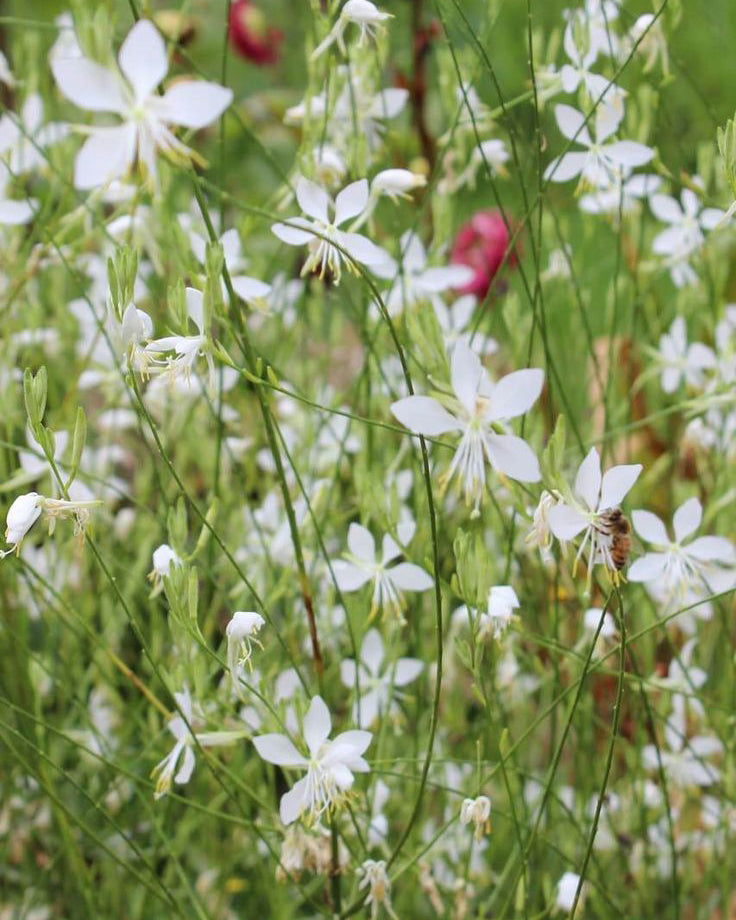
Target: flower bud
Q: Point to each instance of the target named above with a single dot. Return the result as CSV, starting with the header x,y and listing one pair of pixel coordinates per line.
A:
x,y
22,515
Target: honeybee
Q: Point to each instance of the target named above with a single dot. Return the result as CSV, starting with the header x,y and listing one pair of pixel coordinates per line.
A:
x,y
616,526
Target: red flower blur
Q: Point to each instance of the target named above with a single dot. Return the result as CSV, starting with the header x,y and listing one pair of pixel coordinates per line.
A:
x,y
250,35
481,244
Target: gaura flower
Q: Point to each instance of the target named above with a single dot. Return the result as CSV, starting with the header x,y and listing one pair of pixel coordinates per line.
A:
x,y
478,812
130,93
330,764
375,878
681,564
322,232
480,410
169,769
361,566
682,361
376,684
588,509
603,162
186,348
26,510
241,635
364,14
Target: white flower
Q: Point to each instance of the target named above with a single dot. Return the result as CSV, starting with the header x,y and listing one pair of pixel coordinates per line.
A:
x,y
589,510
330,764
602,163
455,320
22,139
163,558
21,516
376,880
679,565
685,764
169,769
364,14
186,348
322,233
361,566
480,410
565,895
241,634
578,71
539,533
622,197
502,601
680,361
685,234
492,155
396,183
478,812
109,152
414,280
375,684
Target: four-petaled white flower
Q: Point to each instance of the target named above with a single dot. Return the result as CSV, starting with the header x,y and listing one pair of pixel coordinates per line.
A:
x,y
687,220
364,14
480,409
581,60
329,245
186,348
361,566
330,764
679,565
602,163
169,769
109,152
682,361
589,509
375,683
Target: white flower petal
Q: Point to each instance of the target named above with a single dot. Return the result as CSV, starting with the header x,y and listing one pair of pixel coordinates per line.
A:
x,y
617,483
572,124
184,773
142,58
514,457
313,199
361,543
712,549
372,652
317,725
588,479
629,153
278,749
650,528
515,394
666,209
293,802
565,522
566,167
250,288
194,103
466,375
351,201
389,549
436,280
648,568
349,577
348,671
14,213
362,250
424,415
89,85
407,670
107,154
687,519
292,235
410,577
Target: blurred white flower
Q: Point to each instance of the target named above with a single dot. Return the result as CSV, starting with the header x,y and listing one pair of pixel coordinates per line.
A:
x,y
362,13
477,812
681,361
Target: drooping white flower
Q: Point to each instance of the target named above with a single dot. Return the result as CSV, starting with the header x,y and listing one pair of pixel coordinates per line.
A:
x,y
130,93
681,564
477,812
588,509
361,565
413,280
170,769
375,878
363,14
480,410
502,601
163,558
322,232
329,764
186,348
241,632
681,361
26,510
375,682
604,162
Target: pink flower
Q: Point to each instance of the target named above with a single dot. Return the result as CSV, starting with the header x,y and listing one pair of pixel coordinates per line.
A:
x,y
251,36
481,244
